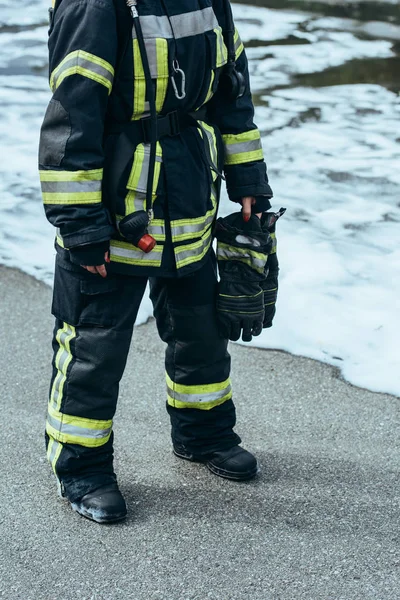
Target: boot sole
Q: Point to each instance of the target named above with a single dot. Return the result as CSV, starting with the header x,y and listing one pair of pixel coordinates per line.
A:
x,y
220,472
97,519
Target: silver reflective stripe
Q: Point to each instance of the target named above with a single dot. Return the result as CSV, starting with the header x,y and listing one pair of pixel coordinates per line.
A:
x,y
73,430
210,397
178,230
156,229
142,183
71,187
53,452
151,48
184,252
84,63
241,147
225,253
184,25
136,253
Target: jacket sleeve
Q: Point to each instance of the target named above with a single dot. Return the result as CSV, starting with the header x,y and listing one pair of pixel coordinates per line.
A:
x,y
82,55
244,166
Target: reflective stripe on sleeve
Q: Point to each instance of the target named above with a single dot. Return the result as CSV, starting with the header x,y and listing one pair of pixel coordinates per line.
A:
x,y
71,187
243,147
184,25
255,260
85,64
203,397
238,44
69,429
222,51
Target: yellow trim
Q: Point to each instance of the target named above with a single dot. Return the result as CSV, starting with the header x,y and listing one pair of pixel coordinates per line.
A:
x,y
77,70
240,48
195,258
79,421
221,49
244,157
91,175
76,439
247,136
206,388
62,375
198,405
56,81
71,198
146,260
162,72
139,88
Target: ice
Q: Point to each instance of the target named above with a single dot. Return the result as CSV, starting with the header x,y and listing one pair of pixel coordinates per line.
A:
x,y
333,154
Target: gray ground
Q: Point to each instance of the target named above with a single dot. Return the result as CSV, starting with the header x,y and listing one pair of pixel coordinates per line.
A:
x,y
321,522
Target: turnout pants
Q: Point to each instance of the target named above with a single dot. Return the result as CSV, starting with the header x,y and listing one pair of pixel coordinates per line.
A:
x,y
92,336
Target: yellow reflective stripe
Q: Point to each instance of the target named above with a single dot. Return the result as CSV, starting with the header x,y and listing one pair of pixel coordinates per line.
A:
x,y
139,90
140,169
206,388
82,422
191,253
204,396
53,452
243,147
60,241
91,175
71,187
255,260
208,131
210,92
162,72
86,64
74,198
126,253
274,243
198,405
221,49
63,358
67,438
238,44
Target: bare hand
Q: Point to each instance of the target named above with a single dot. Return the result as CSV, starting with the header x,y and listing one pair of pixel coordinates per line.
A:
x,y
247,203
100,269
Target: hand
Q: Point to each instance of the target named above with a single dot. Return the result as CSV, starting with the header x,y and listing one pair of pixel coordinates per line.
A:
x,y
247,202
100,269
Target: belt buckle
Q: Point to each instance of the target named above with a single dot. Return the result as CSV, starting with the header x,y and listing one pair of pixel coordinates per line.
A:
x,y
175,127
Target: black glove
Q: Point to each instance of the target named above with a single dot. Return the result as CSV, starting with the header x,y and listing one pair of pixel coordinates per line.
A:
x,y
242,252
91,255
270,283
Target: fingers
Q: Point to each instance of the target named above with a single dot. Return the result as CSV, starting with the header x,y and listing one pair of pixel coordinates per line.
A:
x,y
100,270
107,257
257,328
247,203
246,336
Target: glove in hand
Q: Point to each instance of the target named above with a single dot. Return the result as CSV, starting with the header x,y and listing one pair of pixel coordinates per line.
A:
x,y
242,252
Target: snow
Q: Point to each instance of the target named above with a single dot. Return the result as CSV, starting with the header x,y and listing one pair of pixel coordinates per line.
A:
x,y
333,157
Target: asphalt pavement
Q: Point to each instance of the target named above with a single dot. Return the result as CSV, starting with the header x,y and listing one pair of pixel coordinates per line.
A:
x,y
320,522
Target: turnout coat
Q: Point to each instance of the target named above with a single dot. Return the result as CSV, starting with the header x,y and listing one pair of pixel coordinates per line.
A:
x,y
98,82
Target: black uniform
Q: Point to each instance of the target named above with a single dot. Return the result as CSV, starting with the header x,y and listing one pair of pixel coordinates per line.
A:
x,y
98,84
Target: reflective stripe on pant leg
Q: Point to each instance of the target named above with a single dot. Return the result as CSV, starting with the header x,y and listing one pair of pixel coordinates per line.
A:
x,y
203,397
53,453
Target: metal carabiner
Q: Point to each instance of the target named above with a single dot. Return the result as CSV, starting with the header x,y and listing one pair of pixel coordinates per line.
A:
x,y
182,94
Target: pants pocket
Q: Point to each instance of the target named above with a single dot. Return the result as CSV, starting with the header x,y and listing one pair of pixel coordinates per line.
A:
x,y
84,298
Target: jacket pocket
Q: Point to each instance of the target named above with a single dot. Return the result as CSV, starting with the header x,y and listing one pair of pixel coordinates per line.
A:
x,y
80,300
157,52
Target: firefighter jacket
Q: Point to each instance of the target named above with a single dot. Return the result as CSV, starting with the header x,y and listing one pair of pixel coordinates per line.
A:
x,y
97,80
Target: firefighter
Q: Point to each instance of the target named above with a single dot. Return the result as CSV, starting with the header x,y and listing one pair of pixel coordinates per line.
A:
x,y
151,106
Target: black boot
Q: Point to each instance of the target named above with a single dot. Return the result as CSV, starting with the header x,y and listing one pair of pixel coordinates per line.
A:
x,y
104,505
236,463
